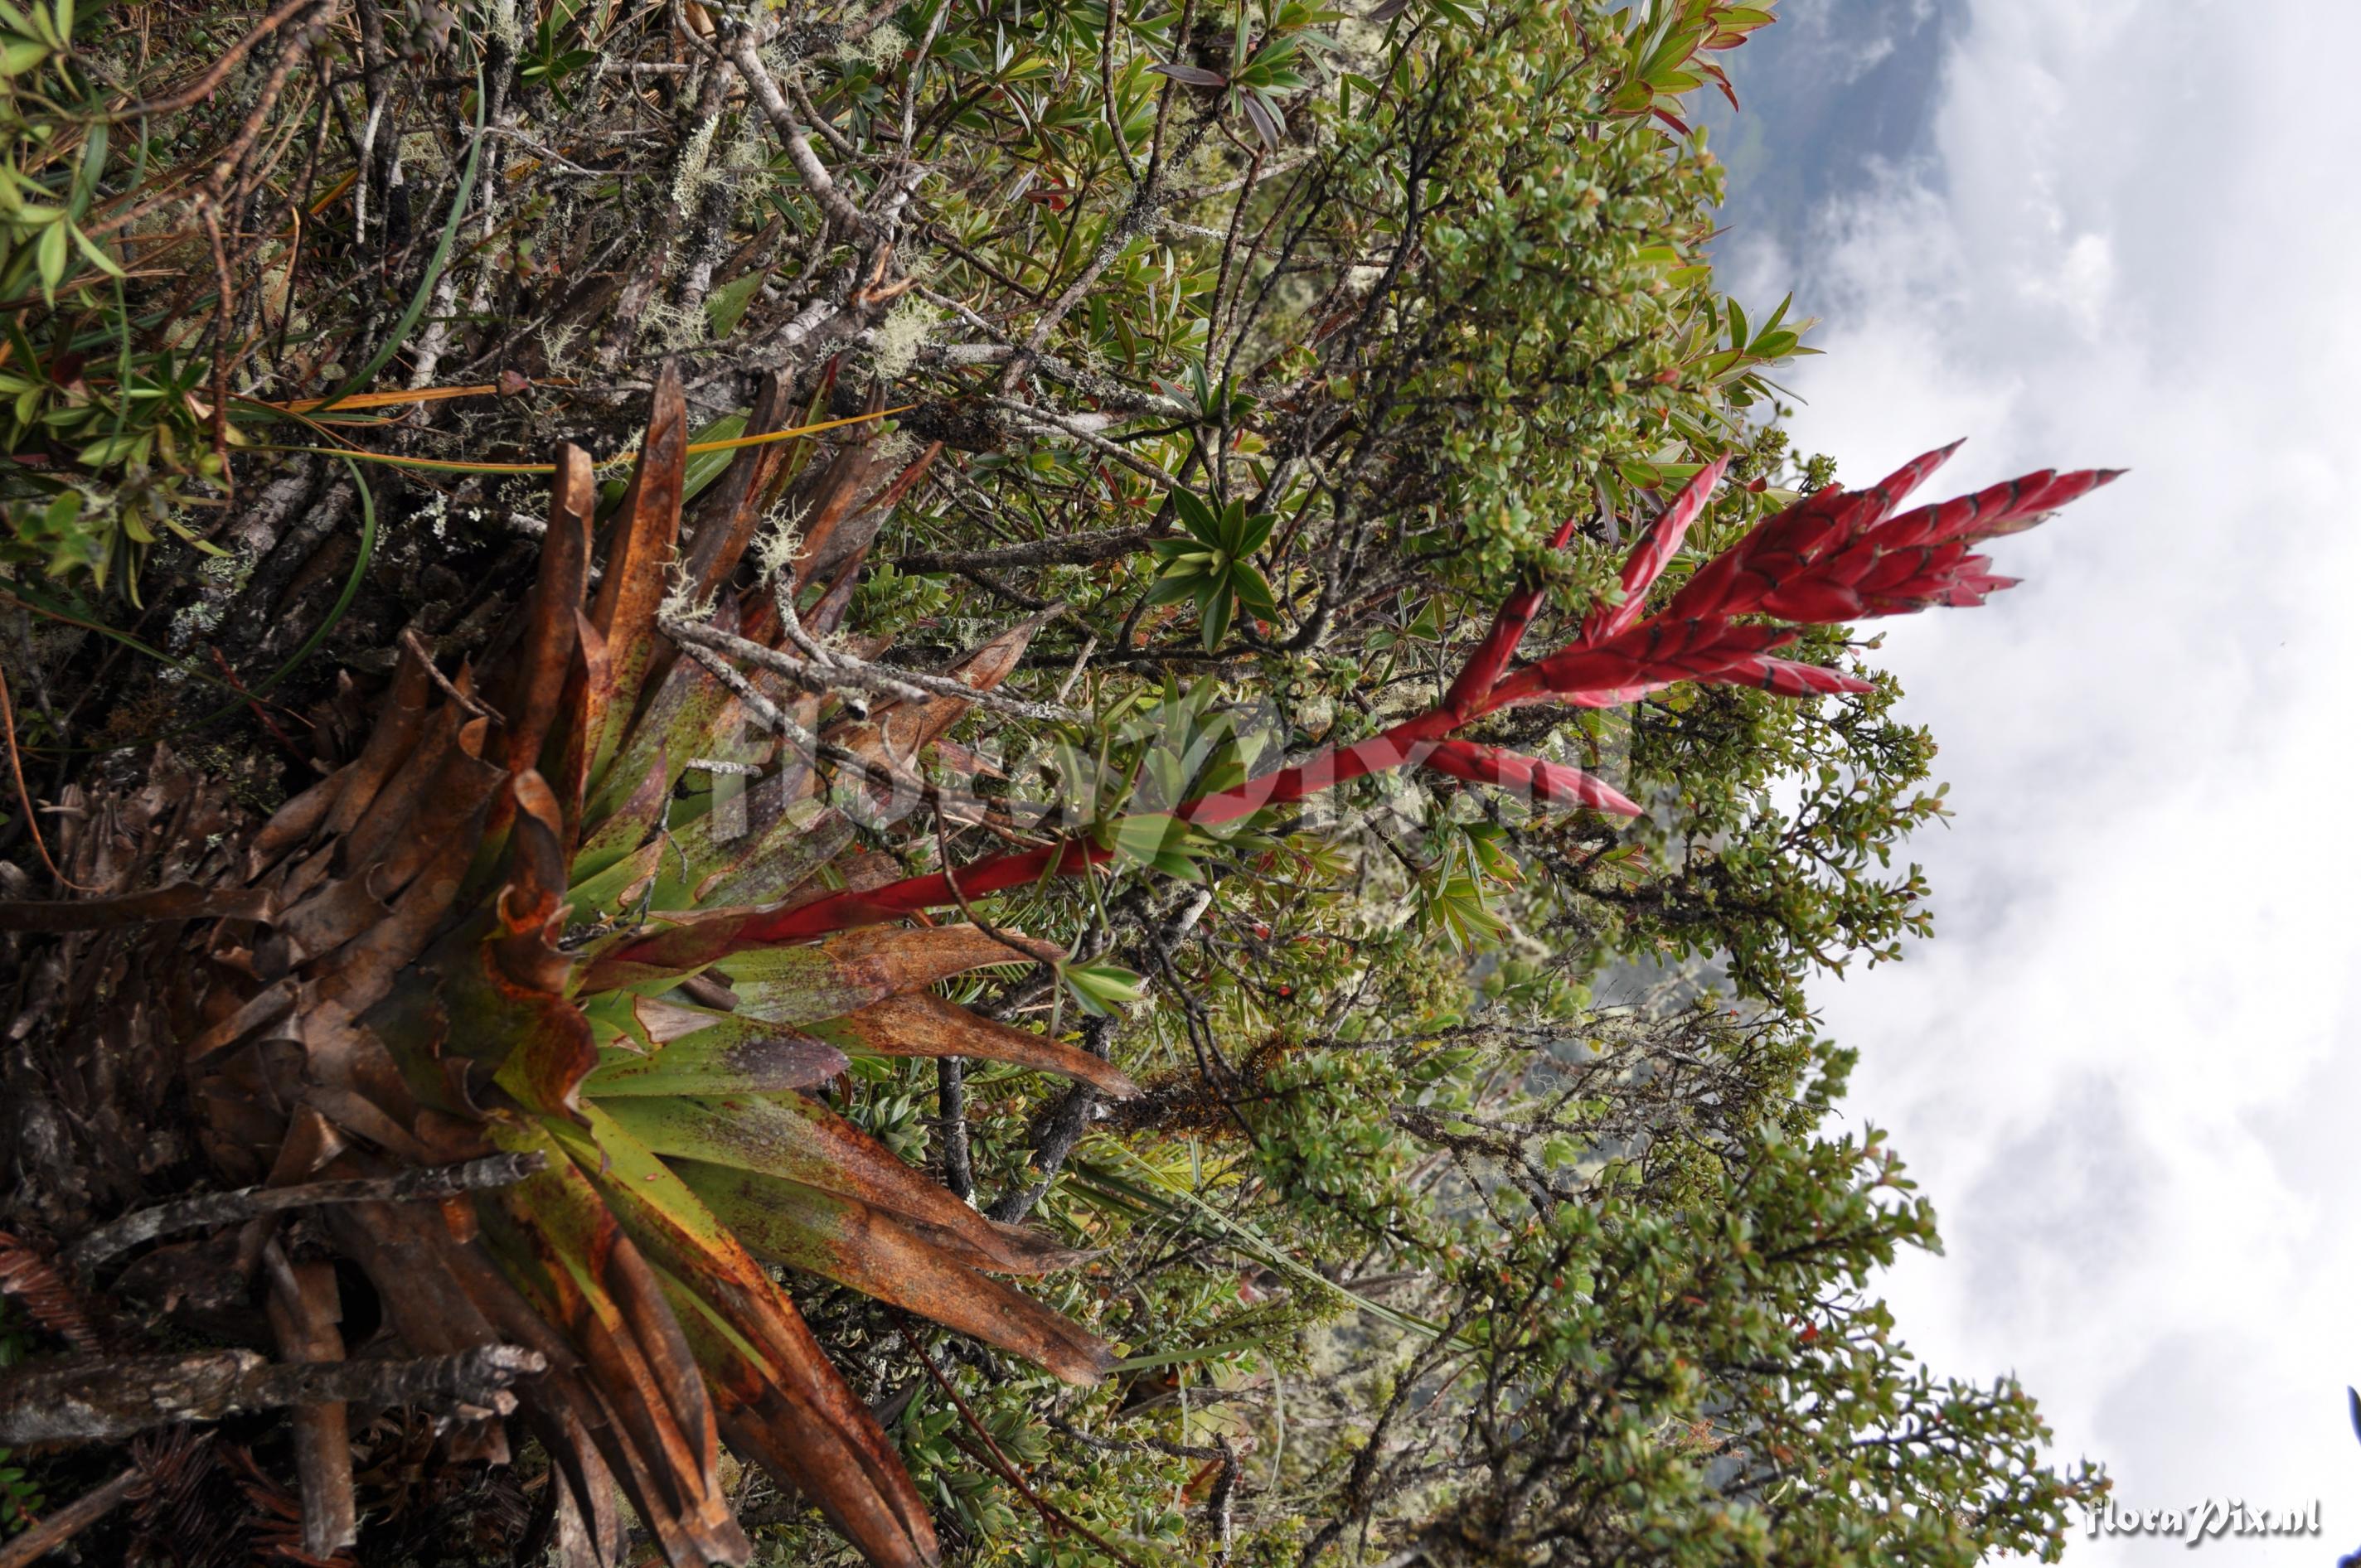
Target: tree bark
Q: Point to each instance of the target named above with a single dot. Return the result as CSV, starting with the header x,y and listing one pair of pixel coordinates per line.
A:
x,y
87,1398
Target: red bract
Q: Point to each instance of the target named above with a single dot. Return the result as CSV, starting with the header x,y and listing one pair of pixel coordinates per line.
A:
x,y
1838,555
1655,551
1534,777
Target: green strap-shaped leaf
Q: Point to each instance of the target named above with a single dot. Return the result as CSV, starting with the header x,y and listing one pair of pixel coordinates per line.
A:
x,y
795,1138
842,1239
846,974
737,1057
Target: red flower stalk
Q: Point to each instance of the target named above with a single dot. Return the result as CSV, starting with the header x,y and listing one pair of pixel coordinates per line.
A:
x,y
1838,555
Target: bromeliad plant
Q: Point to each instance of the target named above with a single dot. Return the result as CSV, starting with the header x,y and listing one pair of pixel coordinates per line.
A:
x,y
424,961
502,926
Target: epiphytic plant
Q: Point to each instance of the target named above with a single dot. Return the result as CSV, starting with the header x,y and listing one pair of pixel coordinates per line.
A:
x,y
417,962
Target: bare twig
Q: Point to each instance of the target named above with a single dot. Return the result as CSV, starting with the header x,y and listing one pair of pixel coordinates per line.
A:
x,y
1082,661
25,796
213,1209
89,1398
410,640
950,1109
202,86
910,80
1056,423
1138,215
1106,88
1057,1132
60,1525
1071,550
842,672
743,52
883,775
1107,391
304,1309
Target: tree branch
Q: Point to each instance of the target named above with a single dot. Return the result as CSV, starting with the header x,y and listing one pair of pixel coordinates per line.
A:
x,y
86,1398
213,1209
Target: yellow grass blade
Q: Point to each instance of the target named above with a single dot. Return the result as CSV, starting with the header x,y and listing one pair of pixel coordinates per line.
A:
x,y
443,465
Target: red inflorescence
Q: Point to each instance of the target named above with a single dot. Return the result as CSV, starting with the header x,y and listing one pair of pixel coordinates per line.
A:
x,y
1836,555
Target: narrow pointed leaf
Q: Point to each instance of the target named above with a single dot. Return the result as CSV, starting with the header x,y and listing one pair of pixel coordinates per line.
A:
x,y
733,1056
646,529
1654,551
920,1024
1532,778
795,1138
843,974
845,1240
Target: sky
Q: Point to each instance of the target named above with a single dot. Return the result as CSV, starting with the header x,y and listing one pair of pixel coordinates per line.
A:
x,y
2128,1067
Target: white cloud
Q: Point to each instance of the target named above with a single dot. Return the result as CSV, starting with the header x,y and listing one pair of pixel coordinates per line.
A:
x,y
2129,1067
1866,59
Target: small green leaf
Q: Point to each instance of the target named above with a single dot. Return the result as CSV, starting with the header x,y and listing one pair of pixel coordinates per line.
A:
x,y
94,252
1198,518
1256,533
1174,586
1102,988
1216,615
1253,591
725,306
49,255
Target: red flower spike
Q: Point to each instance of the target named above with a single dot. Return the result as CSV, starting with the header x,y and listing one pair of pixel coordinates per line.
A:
x,y
1836,555
1899,567
896,901
1823,520
1532,778
1853,562
1778,551
1640,570
1404,745
2009,507
1712,582
1655,552
1490,659
1605,697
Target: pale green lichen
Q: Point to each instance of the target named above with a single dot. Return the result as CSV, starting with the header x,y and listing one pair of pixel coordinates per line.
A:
x,y
693,171
505,28
682,602
884,45
894,345
557,343
782,536
670,327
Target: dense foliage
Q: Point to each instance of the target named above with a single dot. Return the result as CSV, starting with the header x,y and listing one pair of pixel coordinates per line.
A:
x,y
1482,1203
